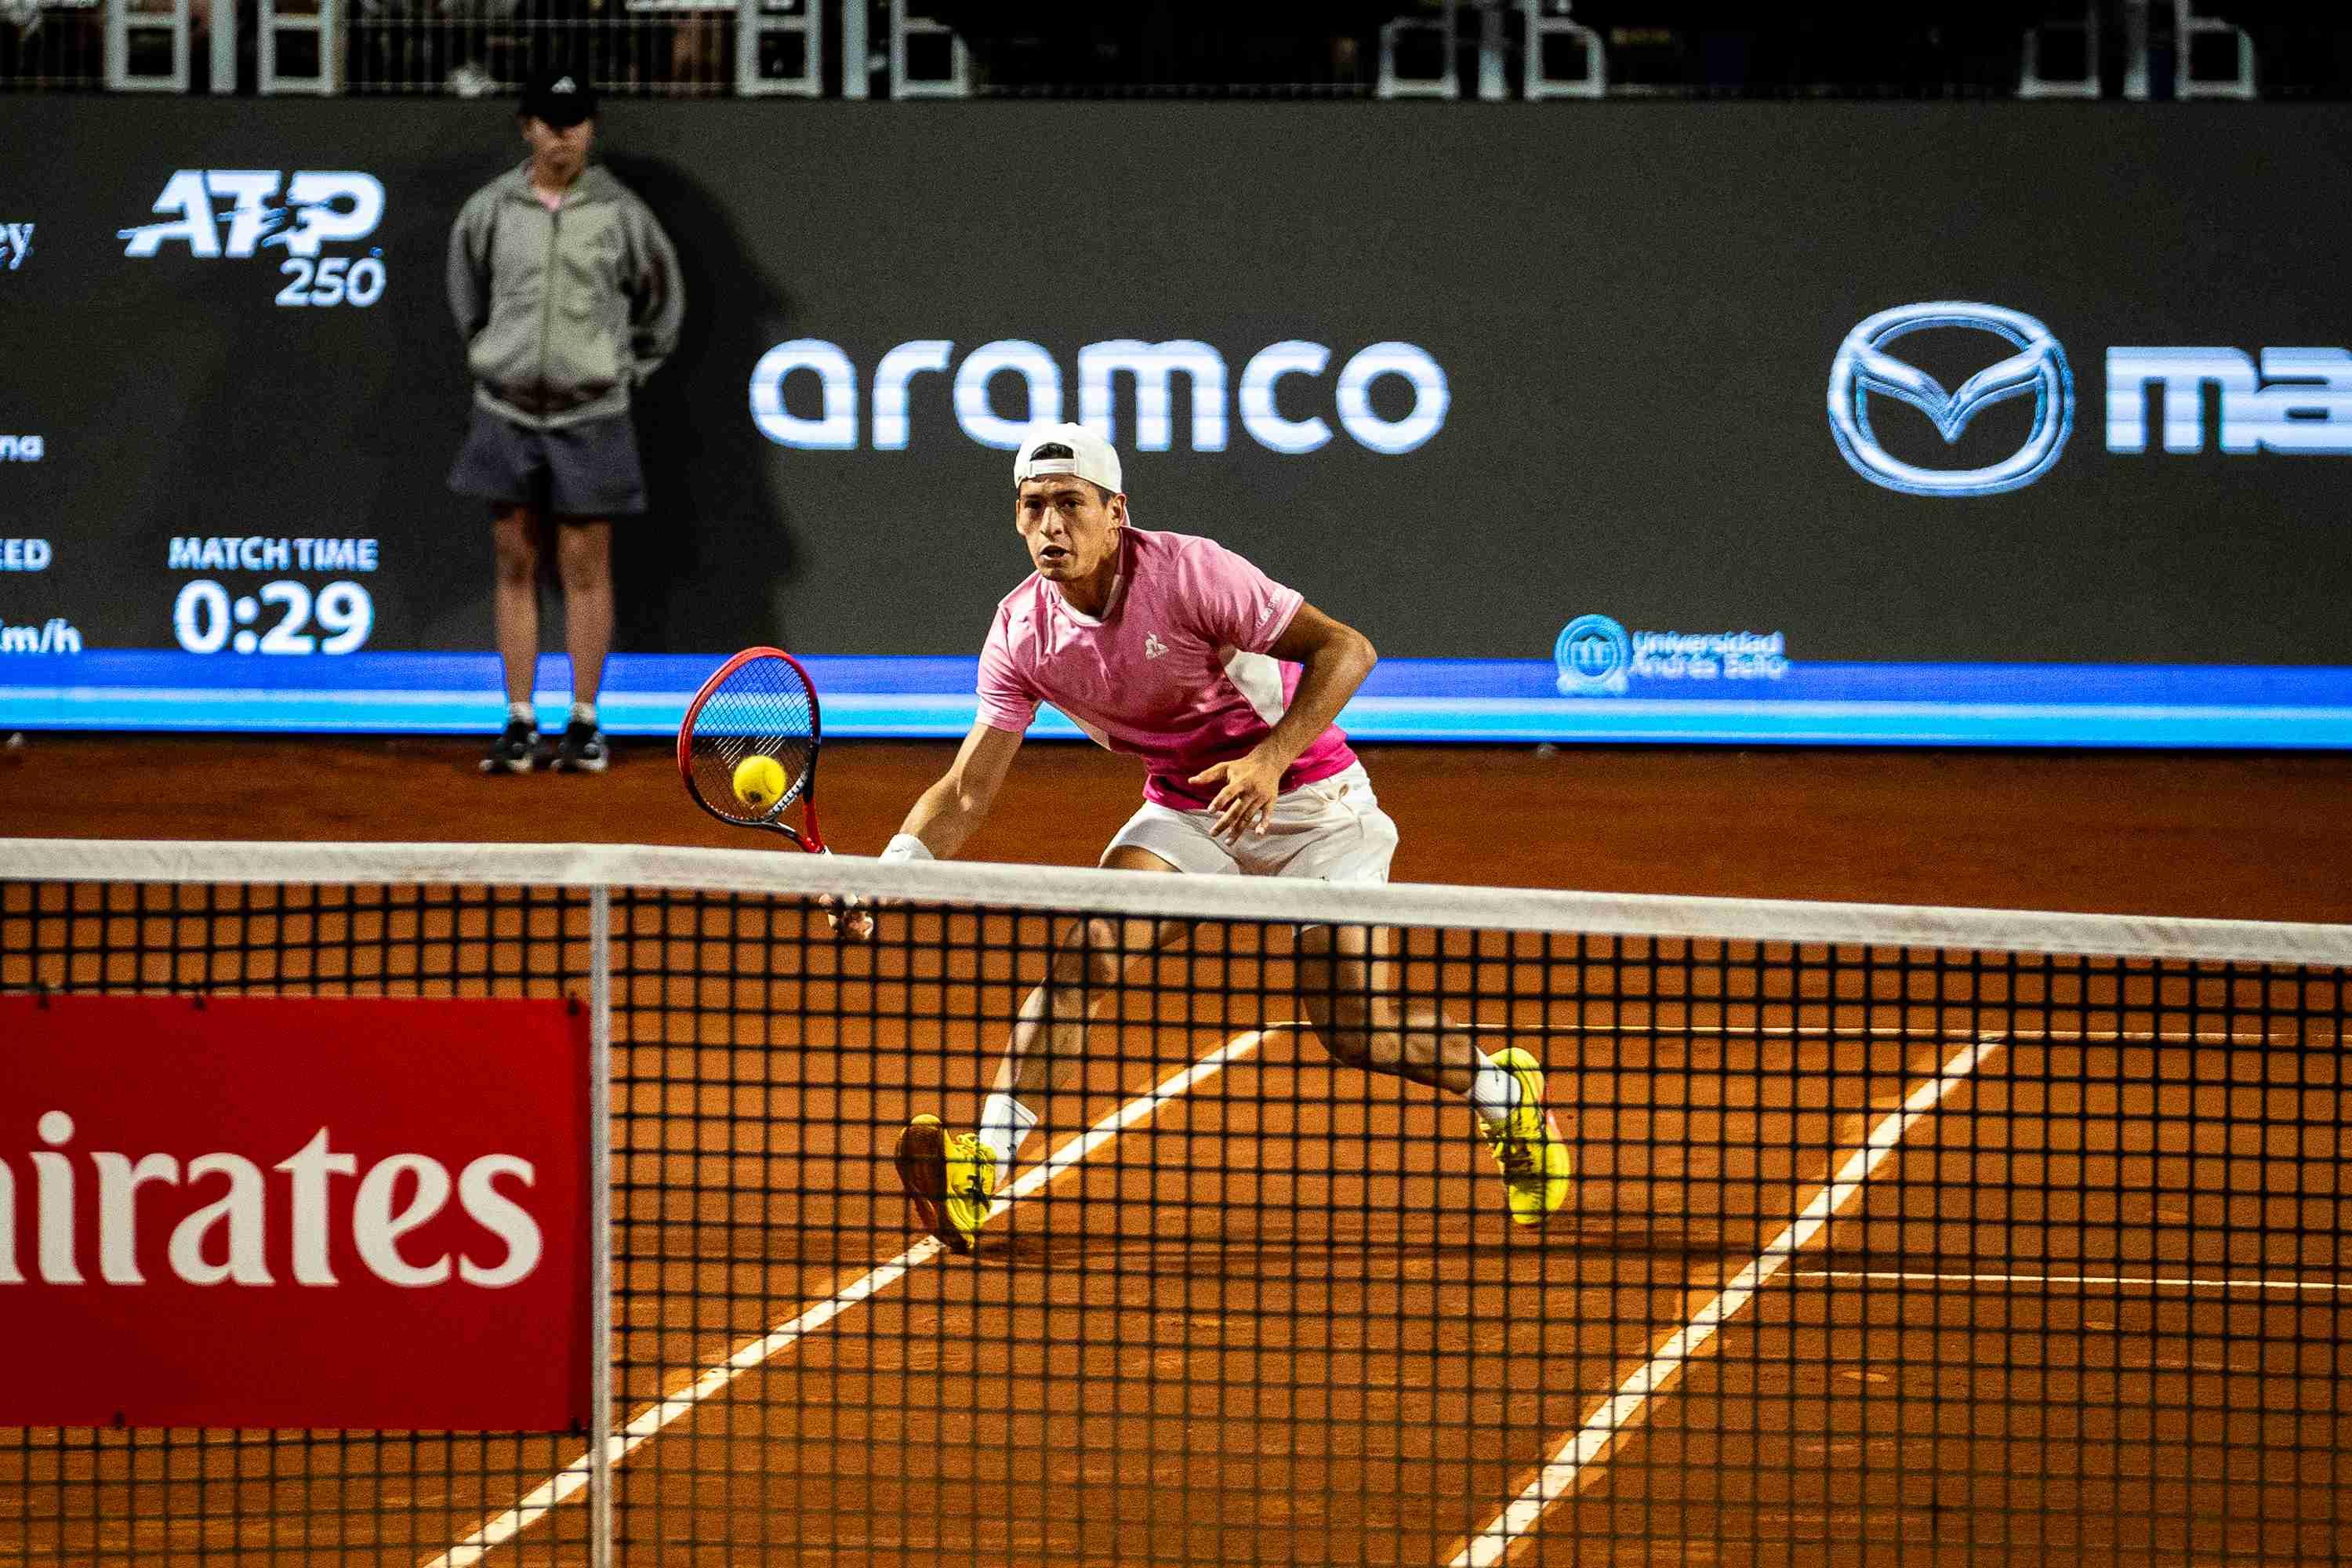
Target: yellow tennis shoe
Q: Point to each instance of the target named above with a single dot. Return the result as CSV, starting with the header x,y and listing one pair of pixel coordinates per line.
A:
x,y
1529,1148
950,1178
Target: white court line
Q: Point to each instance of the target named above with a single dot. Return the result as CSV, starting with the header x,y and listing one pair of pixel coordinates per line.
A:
x,y
2156,1283
1606,1424
572,1479
1653,1029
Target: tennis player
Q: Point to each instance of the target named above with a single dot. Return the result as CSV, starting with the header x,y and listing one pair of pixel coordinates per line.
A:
x,y
1171,649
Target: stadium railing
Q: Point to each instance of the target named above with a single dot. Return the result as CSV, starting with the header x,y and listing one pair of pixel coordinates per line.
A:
x,y
1490,49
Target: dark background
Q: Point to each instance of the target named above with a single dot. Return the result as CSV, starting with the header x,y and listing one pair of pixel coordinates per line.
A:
x,y
1636,309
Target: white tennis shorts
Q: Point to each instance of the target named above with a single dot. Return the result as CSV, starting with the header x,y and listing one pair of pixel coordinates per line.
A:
x,y
1331,831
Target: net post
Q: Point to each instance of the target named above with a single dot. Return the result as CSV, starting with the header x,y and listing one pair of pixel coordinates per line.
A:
x,y
600,1226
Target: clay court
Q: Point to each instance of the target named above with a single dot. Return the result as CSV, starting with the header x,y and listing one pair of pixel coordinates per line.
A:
x,y
2082,1298
2226,836
1824,520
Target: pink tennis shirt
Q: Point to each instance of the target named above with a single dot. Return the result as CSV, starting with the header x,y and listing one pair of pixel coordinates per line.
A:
x,y
1176,672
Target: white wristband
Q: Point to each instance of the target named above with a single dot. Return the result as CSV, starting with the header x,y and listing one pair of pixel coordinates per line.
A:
x,y
907,847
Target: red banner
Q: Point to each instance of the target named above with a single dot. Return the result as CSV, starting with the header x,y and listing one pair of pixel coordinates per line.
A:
x,y
293,1211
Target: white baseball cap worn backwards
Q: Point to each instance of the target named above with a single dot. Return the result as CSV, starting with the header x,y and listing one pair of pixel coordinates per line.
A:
x,y
1085,455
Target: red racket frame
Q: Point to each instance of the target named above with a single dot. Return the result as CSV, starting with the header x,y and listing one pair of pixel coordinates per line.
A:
x,y
806,837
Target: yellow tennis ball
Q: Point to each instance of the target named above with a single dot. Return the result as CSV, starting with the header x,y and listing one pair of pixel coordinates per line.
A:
x,y
759,782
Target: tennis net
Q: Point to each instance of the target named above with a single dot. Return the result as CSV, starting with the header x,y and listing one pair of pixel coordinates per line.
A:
x,y
1895,1235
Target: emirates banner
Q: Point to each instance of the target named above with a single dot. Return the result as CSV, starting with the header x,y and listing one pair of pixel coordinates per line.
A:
x,y
294,1212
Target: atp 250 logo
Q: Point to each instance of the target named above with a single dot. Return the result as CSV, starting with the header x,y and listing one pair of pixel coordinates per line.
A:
x,y
2297,400
301,217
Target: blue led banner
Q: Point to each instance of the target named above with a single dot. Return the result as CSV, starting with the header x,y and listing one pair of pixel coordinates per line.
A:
x,y
1492,700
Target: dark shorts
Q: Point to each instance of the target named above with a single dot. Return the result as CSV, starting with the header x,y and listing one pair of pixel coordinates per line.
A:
x,y
588,469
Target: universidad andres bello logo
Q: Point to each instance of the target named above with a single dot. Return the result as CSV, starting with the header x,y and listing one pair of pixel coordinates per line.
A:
x,y
1597,657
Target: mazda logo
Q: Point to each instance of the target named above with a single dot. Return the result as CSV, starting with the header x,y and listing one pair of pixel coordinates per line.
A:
x,y
2037,367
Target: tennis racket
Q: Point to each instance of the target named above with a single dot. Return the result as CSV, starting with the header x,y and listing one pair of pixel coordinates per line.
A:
x,y
761,704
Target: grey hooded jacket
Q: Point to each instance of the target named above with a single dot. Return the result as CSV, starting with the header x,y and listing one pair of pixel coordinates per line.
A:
x,y
562,313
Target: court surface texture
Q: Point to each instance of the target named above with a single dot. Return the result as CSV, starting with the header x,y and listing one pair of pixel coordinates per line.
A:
x,y
1269,1293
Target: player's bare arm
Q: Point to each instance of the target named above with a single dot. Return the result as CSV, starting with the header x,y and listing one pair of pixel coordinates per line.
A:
x,y
946,814
1334,657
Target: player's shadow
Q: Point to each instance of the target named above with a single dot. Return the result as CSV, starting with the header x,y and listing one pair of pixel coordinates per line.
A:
x,y
1306,1251
701,572
1335,1257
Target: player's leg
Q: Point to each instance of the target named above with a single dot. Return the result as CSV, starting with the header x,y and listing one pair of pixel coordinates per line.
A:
x,y
517,532
953,1177
1348,990
1347,987
1048,1044
593,477
584,559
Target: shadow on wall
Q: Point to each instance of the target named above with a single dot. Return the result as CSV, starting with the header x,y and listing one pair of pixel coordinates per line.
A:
x,y
700,572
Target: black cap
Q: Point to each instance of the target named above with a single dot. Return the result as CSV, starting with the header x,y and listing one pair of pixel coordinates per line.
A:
x,y
561,96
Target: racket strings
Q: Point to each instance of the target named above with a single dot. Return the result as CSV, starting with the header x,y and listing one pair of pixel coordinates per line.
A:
x,y
763,709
